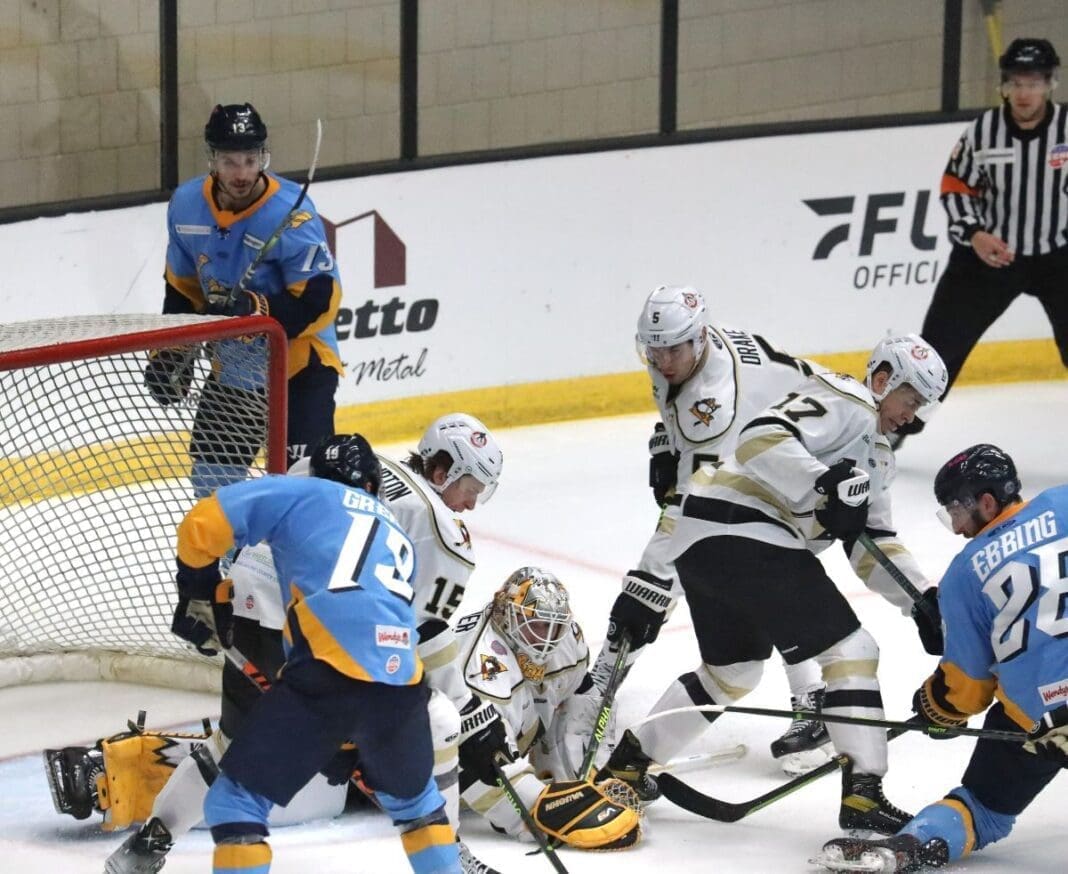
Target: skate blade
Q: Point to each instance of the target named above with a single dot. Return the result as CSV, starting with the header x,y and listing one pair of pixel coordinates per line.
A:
x,y
871,861
796,764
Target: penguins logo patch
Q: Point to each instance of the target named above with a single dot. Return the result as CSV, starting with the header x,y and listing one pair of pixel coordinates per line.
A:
x,y
704,410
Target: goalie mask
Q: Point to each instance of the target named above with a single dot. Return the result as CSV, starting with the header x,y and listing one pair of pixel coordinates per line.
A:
x,y
672,315
531,611
912,361
471,447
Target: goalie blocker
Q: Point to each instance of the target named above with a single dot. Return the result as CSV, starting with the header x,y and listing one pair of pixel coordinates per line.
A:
x,y
583,815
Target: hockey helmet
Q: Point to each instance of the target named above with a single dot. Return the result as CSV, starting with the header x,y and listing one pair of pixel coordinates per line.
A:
x,y
236,127
1029,55
347,459
913,361
471,447
672,315
980,469
532,612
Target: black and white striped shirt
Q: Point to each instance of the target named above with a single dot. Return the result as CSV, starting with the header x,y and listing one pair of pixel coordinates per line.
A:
x,y
1010,182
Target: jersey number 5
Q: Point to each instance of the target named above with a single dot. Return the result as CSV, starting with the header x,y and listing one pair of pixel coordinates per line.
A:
x,y
359,543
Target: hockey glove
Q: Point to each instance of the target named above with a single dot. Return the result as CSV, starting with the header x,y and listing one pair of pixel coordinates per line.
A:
x,y
846,509
483,740
244,303
639,609
663,464
168,375
1049,738
204,616
340,769
928,618
941,725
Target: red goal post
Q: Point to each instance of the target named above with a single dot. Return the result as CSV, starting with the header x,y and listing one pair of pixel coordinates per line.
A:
x,y
95,477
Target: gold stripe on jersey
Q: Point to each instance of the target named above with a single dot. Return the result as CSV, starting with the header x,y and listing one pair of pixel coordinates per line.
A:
x,y
848,395
493,796
744,486
1014,711
402,473
437,658
762,441
204,534
891,547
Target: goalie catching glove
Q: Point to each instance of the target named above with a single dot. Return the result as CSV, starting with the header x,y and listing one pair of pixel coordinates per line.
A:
x,y
204,616
581,814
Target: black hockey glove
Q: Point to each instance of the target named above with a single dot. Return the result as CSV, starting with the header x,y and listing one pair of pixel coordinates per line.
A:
x,y
168,375
245,303
204,615
846,510
928,618
663,464
483,740
927,714
346,762
639,609
1049,738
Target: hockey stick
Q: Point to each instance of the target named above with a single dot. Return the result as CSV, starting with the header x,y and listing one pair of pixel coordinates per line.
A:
x,y
896,574
936,731
685,796
696,762
272,240
508,789
615,680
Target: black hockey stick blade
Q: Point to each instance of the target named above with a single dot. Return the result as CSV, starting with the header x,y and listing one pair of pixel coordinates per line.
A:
x,y
685,796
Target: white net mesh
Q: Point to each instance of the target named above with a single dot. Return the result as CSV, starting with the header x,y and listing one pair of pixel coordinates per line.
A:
x,y
97,473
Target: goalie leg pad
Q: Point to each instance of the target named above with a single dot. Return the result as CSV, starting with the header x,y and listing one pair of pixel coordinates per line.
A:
x,y
581,815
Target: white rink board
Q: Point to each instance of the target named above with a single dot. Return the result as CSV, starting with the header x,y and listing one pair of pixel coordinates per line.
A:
x,y
525,271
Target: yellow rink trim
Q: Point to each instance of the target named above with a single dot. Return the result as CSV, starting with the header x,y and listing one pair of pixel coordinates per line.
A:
x,y
617,394
130,462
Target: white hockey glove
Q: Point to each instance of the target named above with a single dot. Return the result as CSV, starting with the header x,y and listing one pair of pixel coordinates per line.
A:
x,y
204,615
846,509
1049,738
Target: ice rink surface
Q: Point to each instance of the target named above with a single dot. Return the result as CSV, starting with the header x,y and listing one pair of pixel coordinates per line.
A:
x,y
573,499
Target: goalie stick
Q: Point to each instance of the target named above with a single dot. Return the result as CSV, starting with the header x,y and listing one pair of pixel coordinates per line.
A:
x,y
685,796
615,679
505,785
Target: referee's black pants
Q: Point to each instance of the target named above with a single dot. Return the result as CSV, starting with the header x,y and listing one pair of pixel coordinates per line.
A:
x,y
971,296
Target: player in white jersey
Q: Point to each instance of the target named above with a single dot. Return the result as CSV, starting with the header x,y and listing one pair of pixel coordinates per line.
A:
x,y
524,657
457,466
810,469
708,381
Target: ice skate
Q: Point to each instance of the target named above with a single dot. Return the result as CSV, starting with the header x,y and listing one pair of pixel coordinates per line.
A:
x,y
806,744
143,852
629,764
864,806
898,853
470,864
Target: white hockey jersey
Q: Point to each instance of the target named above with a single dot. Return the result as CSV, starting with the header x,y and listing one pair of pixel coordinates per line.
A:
x,y
766,489
526,694
741,374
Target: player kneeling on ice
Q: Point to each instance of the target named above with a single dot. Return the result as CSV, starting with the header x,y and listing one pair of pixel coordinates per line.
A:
x,y
1002,603
524,658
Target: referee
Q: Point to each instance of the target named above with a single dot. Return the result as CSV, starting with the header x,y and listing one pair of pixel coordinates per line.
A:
x,y
1004,193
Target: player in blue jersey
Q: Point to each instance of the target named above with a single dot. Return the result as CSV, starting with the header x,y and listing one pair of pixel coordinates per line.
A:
x,y
216,225
1006,637
352,673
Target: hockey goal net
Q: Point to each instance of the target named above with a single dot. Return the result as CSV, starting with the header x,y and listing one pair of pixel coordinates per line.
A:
x,y
96,474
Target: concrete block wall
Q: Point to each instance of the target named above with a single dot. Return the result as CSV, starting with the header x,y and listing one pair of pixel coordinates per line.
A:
x,y
79,99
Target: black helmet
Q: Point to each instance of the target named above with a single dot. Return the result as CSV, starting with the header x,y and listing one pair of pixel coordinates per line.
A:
x,y
236,127
347,459
1029,56
979,469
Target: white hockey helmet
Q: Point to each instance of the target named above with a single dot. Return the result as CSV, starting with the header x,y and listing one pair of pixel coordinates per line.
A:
x,y
672,315
471,447
912,360
532,612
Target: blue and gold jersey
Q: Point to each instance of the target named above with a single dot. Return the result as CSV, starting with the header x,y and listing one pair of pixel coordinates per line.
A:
x,y
209,250
345,569
1004,600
